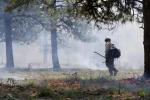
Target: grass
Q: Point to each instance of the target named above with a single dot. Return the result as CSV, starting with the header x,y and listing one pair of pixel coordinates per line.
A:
x,y
75,85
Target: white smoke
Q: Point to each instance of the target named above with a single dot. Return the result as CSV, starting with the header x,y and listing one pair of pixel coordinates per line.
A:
x,y
128,38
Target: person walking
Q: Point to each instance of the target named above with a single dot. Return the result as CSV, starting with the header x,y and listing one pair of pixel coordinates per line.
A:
x,y
109,58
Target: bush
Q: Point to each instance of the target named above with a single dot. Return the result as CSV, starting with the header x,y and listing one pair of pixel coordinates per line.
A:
x,y
45,92
141,93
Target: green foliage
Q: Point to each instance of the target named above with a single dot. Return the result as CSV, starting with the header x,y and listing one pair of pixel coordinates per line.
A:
x,y
108,11
13,4
100,11
142,93
10,97
25,27
45,92
58,94
72,94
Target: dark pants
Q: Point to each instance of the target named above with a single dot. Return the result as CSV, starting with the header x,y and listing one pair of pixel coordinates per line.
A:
x,y
110,65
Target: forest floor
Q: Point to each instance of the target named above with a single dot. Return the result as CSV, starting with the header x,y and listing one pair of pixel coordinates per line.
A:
x,y
79,84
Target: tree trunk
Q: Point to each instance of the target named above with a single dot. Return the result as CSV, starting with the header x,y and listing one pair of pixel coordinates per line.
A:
x,y
55,60
146,14
8,40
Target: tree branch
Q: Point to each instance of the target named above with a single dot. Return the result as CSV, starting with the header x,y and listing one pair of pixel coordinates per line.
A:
x,y
34,18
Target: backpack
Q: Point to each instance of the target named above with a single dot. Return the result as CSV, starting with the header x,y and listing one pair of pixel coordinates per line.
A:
x,y
114,53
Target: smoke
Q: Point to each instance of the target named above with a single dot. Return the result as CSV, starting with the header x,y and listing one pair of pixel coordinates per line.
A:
x,y
128,38
78,54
